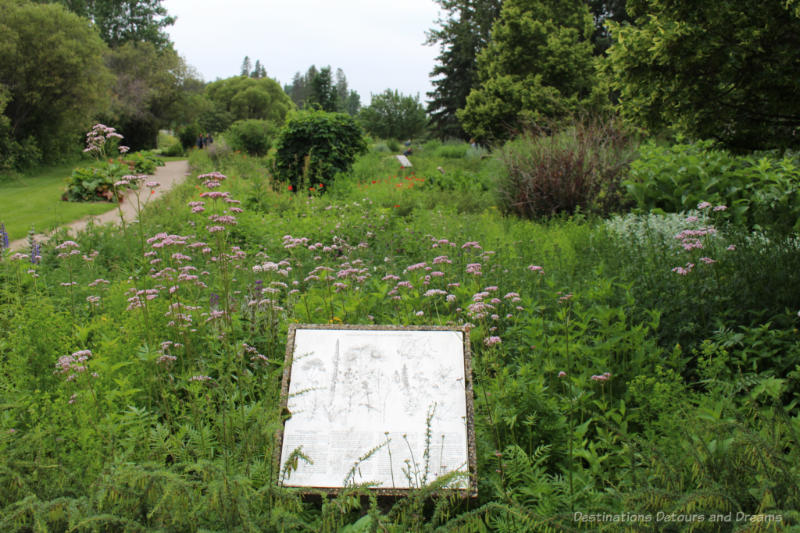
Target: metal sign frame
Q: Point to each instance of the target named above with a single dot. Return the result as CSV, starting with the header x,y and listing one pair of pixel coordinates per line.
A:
x,y
472,486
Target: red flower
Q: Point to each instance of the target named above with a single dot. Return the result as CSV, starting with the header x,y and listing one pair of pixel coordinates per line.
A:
x,y
397,205
290,187
321,185
374,182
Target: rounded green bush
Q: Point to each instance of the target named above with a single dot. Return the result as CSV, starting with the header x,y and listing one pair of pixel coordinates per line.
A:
x,y
251,136
315,145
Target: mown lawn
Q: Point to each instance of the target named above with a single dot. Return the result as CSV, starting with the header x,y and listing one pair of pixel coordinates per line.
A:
x,y
33,201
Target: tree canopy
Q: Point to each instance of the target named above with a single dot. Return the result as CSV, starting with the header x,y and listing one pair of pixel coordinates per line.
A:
x,y
151,85
52,74
721,70
242,97
461,35
538,66
392,115
122,21
318,89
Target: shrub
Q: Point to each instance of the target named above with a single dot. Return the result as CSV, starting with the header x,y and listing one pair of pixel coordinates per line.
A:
x,y
252,136
576,168
169,145
188,135
700,276
144,162
95,183
757,190
452,151
315,145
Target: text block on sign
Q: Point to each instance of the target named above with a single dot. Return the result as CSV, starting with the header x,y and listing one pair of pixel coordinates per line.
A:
x,y
386,406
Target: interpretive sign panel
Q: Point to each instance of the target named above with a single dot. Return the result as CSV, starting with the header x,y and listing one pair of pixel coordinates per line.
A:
x,y
404,162
386,406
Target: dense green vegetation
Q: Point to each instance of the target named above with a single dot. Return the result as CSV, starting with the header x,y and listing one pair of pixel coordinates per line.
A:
x,y
618,369
619,237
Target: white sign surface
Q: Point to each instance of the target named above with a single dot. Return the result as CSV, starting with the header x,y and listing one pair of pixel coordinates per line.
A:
x,y
404,162
398,394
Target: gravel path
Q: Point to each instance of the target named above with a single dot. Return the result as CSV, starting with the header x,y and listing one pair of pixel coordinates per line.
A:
x,y
168,176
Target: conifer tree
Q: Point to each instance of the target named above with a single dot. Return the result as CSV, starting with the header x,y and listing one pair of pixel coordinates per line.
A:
x,y
462,34
537,67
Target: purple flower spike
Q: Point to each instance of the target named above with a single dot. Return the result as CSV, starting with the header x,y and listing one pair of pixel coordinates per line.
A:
x,y
5,237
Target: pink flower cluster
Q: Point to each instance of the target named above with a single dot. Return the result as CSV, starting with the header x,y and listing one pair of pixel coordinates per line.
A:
x,y
73,364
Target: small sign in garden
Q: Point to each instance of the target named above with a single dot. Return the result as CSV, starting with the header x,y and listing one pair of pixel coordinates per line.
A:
x,y
404,162
385,406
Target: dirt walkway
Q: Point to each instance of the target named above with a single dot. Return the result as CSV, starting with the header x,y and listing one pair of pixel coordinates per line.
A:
x,y
168,176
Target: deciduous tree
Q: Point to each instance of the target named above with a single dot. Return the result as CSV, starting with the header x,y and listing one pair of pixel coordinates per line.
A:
x,y
722,70
392,115
242,98
122,21
148,94
53,76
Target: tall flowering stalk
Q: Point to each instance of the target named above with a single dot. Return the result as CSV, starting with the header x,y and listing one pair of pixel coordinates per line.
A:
x,y
4,240
67,250
565,300
100,139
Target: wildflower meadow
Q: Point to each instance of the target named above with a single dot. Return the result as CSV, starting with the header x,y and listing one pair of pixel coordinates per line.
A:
x,y
629,366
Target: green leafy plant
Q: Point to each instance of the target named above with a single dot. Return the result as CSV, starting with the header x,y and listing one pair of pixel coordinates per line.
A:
x,y
757,190
143,162
315,145
95,183
254,137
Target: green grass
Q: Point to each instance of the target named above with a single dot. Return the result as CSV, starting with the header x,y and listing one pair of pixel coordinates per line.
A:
x,y
34,201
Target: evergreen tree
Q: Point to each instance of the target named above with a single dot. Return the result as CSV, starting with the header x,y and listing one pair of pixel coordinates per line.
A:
x,y
323,91
246,66
462,35
537,67
316,88
300,88
259,71
352,103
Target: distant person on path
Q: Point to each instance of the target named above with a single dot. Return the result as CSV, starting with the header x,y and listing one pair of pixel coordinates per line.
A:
x,y
209,139
200,141
408,150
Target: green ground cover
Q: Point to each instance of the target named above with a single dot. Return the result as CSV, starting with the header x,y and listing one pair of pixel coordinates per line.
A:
x,y
33,201
617,369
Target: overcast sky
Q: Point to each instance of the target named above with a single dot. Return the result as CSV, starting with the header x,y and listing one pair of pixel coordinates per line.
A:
x,y
378,43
